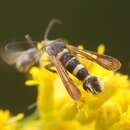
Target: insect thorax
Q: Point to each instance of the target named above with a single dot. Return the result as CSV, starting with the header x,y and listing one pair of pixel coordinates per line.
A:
x,y
55,47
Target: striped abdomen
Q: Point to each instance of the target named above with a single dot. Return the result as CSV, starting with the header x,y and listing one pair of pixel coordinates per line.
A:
x,y
72,64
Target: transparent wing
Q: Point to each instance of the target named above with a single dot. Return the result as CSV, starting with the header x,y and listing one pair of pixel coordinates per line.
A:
x,y
105,61
10,57
11,51
72,89
19,46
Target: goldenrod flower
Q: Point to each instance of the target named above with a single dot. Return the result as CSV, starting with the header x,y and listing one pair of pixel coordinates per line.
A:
x,y
7,122
109,110
106,111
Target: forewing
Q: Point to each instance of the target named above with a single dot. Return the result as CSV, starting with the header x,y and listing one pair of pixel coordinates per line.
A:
x,y
18,46
10,57
11,51
72,89
105,61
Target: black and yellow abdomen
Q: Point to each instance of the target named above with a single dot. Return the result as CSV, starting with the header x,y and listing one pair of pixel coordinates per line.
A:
x,y
72,64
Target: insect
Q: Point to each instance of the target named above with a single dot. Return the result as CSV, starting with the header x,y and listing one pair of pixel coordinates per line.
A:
x,y
63,57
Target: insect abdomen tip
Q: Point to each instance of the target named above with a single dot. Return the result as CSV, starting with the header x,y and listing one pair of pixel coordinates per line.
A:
x,y
93,85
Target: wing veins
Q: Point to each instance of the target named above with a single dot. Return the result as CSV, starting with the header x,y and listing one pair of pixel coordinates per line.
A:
x,y
72,89
105,61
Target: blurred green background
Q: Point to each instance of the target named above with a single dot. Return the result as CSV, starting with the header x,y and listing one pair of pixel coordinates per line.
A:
x,y
84,21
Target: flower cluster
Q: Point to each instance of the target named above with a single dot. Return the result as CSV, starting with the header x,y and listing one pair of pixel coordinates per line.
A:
x,y
109,110
7,122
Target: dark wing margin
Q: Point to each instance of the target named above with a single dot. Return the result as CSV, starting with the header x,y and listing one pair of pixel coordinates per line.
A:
x,y
105,61
72,89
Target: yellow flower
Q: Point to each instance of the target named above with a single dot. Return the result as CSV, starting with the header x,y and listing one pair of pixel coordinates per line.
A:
x,y
7,122
108,110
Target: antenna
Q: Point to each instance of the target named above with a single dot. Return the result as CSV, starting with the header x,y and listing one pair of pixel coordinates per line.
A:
x,y
50,25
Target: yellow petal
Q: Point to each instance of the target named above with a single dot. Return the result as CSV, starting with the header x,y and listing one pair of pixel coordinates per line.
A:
x,y
101,48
